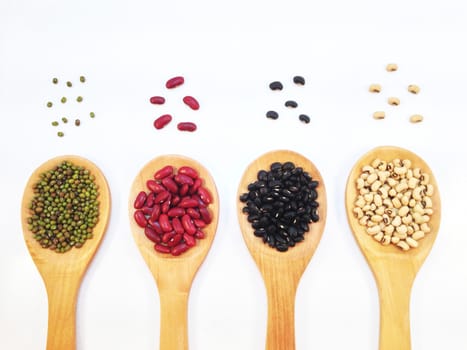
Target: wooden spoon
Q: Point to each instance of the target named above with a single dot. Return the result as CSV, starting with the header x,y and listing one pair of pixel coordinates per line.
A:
x,y
173,274
63,273
394,269
281,271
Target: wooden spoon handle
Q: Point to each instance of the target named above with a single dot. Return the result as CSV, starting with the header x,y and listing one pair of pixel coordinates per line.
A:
x,y
174,323
394,316
61,332
281,318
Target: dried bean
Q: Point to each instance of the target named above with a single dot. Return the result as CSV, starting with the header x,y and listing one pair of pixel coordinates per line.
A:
x,y
391,67
379,115
162,248
164,172
272,115
375,88
157,100
291,104
304,118
188,171
276,85
179,249
191,102
186,126
140,218
174,82
299,80
140,200
162,121
414,89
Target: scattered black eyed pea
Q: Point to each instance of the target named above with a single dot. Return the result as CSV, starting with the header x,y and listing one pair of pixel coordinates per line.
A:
x,y
391,67
416,118
394,101
414,89
379,115
376,88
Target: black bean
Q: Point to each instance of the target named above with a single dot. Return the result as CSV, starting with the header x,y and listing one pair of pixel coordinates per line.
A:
x,y
299,80
304,118
281,204
276,85
291,104
272,115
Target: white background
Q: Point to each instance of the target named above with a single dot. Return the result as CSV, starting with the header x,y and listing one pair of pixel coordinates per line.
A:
x,y
228,53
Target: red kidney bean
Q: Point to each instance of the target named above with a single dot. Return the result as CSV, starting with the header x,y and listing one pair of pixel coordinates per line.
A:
x,y
154,186
162,121
150,200
188,171
140,200
191,102
184,189
205,215
165,206
170,184
174,82
167,236
198,182
186,126
188,224
165,223
204,195
156,210
175,200
189,240
199,234
188,203
146,210
161,197
164,172
177,225
174,240
156,226
183,179
199,223
179,249
140,218
177,211
194,213
152,234
157,100
162,248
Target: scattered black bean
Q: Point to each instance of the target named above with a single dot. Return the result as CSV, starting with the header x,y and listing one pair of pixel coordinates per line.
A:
x,y
281,204
276,85
291,104
299,80
304,118
272,115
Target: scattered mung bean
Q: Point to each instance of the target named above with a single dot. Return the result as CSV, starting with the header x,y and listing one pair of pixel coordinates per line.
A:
x,y
82,79
63,100
79,99
49,104
65,120
69,84
55,123
60,134
92,114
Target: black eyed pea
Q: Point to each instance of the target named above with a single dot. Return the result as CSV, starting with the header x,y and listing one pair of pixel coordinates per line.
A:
x,y
379,236
386,240
411,242
397,221
403,245
379,115
391,67
414,89
375,88
417,235
416,118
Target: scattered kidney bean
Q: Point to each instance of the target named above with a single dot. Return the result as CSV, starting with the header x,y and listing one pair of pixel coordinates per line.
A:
x,y
304,118
157,100
281,204
186,126
291,104
272,115
174,212
299,80
162,121
191,102
174,82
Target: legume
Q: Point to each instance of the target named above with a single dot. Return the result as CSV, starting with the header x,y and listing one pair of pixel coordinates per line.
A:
x,y
281,204
304,118
157,100
414,89
276,85
82,79
77,122
391,67
65,207
79,99
175,210
162,121
60,134
174,82
394,202
92,114
63,100
379,115
299,80
186,126
291,104
69,84
375,88
416,118
49,104
191,102
55,81
54,123
64,120
272,115
394,101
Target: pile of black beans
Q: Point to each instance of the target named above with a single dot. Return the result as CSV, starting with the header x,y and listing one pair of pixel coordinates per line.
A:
x,y
281,204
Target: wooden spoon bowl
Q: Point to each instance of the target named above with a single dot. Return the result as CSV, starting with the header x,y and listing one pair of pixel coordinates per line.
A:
x,y
394,269
173,274
62,272
281,271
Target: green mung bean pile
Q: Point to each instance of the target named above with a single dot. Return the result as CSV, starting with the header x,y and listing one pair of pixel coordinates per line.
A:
x,y
65,208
